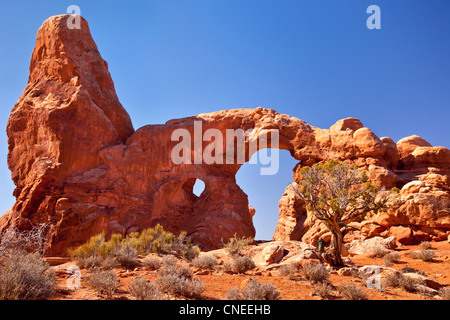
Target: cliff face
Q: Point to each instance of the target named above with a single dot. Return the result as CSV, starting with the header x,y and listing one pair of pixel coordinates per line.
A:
x,y
79,166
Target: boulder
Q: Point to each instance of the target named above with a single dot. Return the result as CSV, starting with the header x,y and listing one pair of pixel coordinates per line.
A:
x,y
407,145
404,235
273,254
423,280
368,245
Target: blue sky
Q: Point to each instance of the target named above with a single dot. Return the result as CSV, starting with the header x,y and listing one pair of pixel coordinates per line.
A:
x,y
315,60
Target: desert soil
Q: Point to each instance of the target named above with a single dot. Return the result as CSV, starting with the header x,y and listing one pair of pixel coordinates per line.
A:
x,y
217,284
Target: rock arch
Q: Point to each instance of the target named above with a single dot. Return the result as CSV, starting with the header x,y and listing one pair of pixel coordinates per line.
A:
x,y
80,167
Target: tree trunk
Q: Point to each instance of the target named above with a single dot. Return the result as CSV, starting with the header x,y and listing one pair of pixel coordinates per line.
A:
x,y
336,244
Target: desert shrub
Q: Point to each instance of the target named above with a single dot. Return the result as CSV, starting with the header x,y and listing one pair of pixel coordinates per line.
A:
x,y
393,279
378,252
89,249
126,256
125,250
288,271
25,276
315,272
178,280
254,291
352,292
425,255
239,264
184,248
142,289
243,263
169,261
14,240
426,245
409,284
445,293
398,280
235,245
104,282
152,240
152,262
391,258
206,261
90,262
323,289
408,269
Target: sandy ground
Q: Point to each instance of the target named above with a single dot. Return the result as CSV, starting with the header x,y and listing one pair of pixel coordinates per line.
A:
x,y
217,284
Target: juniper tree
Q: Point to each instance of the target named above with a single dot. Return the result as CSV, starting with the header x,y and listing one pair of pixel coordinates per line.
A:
x,y
338,193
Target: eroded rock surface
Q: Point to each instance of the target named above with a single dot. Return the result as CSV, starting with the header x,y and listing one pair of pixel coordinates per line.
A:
x,y
80,167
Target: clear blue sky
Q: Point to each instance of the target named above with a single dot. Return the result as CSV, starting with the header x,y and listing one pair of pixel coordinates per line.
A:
x,y
315,60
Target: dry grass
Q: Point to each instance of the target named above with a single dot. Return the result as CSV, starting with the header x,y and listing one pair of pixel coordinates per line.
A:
x,y
315,273
25,276
425,255
254,291
142,289
391,258
206,261
235,245
104,282
352,292
177,280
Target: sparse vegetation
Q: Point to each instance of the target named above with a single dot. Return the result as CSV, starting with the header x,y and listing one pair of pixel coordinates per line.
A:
x,y
289,271
391,258
412,270
178,280
235,245
323,289
206,261
426,245
23,273
104,282
254,290
378,252
124,251
352,292
239,264
152,262
425,255
315,273
445,293
142,289
398,280
25,276
338,193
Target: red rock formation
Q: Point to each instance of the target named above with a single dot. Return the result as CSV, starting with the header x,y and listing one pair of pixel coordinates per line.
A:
x,y
80,168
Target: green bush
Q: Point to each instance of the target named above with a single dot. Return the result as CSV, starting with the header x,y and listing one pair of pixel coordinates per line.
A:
x,y
124,251
235,245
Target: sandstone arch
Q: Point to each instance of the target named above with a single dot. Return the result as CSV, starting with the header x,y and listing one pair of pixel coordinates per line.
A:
x,y
80,167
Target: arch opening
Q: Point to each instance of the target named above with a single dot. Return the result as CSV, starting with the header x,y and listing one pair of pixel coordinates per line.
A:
x,y
199,187
265,191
